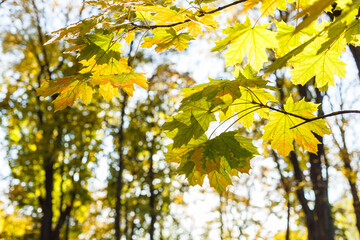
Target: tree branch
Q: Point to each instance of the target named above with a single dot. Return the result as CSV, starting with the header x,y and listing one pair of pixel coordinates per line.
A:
x,y
307,120
326,116
149,27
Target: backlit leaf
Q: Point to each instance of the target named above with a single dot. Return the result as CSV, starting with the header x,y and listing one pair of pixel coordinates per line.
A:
x,y
218,158
70,89
323,66
166,38
247,40
278,131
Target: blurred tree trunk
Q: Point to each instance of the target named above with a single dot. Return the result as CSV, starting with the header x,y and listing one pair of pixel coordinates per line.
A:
x,y
46,221
152,199
119,183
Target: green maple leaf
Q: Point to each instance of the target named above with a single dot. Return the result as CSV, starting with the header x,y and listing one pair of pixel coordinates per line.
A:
x,y
104,41
219,158
213,91
192,122
96,52
353,33
247,40
280,133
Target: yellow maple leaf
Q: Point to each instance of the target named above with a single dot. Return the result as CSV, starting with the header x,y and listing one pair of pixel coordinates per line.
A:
x,y
117,72
124,81
196,24
247,40
167,38
323,66
113,67
286,37
108,91
250,4
268,6
71,93
162,14
278,131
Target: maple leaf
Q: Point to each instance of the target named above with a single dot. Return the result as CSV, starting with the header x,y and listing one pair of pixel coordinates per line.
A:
x,y
353,33
104,41
247,105
267,6
213,91
278,130
286,37
192,122
247,40
167,38
197,23
118,73
218,158
312,13
124,81
162,14
323,66
73,30
315,33
108,91
70,89
113,67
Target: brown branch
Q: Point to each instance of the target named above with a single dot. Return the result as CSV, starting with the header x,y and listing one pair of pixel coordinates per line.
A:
x,y
281,111
326,116
202,14
307,120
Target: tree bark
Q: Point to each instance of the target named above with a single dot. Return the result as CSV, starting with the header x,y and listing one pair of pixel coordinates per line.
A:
x,y
300,193
152,199
64,215
46,220
119,185
356,53
323,219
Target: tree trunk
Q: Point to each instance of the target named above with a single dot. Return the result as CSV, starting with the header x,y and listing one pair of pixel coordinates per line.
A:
x,y
300,193
322,209
67,229
46,220
323,219
152,200
119,185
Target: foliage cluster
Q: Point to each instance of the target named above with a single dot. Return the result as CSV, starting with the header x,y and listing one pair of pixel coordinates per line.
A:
x,y
311,48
